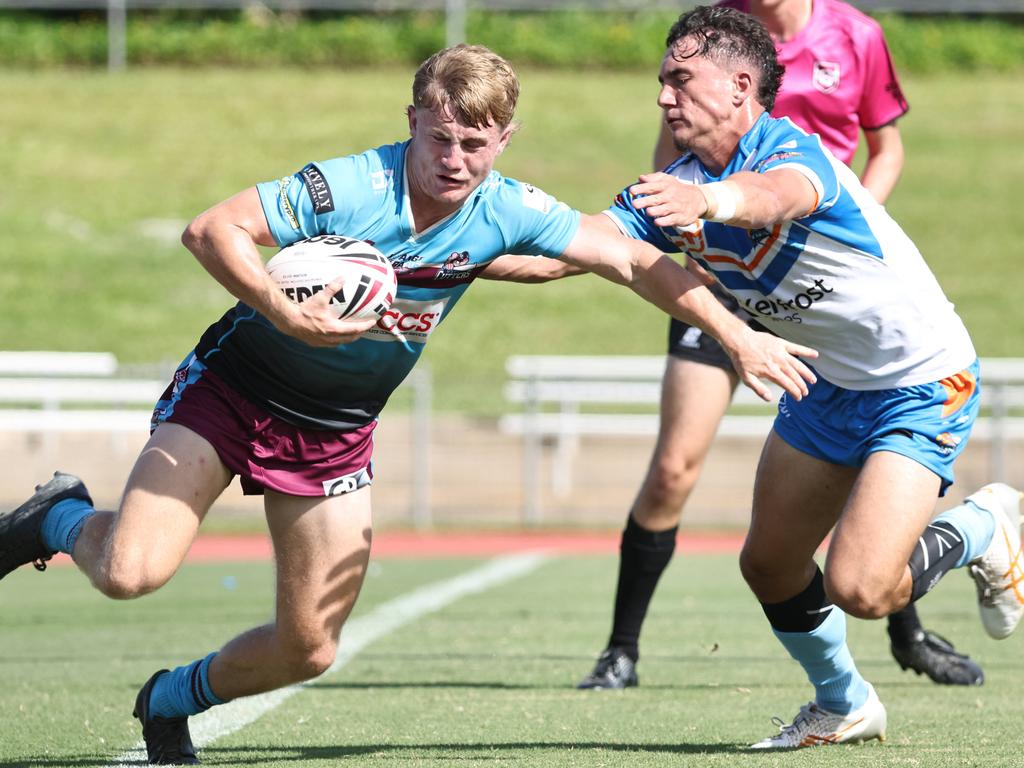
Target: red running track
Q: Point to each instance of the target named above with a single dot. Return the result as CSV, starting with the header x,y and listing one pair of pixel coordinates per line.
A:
x,y
399,544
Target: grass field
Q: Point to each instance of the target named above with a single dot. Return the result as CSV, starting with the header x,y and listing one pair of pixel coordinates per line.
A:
x,y
101,173
486,678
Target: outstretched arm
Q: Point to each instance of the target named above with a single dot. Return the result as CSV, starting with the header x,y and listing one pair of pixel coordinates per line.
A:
x,y
599,247
749,200
528,269
224,239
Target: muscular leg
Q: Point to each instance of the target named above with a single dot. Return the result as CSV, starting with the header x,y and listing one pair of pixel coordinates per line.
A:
x,y
889,506
797,499
322,546
135,550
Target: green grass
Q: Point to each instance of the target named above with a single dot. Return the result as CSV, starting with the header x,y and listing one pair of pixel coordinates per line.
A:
x,y
487,680
95,164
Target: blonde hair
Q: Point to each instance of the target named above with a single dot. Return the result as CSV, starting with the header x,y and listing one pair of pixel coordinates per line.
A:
x,y
470,83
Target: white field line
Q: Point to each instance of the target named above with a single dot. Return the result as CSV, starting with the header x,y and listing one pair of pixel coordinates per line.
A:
x,y
358,633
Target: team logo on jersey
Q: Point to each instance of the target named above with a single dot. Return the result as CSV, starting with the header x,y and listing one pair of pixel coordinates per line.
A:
x,y
457,268
408,321
826,76
319,190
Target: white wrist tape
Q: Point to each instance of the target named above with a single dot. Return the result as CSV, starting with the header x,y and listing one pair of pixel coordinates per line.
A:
x,y
723,200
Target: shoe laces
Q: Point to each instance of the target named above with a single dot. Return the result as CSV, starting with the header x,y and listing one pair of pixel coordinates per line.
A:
x,y
805,718
40,563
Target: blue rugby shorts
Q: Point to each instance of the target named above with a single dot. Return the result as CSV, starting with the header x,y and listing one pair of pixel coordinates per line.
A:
x,y
929,423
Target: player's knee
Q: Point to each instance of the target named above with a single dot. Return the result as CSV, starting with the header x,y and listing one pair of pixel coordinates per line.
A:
x,y
667,487
758,571
307,660
858,597
122,581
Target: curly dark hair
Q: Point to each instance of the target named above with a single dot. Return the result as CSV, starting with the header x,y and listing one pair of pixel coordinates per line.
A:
x,y
727,36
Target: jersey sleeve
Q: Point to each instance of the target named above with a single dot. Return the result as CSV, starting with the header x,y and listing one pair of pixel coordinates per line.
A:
x,y
532,221
805,155
882,98
322,197
634,223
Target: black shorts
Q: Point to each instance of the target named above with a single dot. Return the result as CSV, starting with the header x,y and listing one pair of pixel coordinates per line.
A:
x,y
687,342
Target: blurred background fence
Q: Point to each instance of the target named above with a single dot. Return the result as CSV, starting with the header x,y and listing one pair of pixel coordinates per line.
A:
x,y
570,451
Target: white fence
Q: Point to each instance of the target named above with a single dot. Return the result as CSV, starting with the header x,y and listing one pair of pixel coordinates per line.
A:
x,y
555,393
48,394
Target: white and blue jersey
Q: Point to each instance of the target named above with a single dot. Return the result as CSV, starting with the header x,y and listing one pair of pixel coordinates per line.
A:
x,y
366,197
844,279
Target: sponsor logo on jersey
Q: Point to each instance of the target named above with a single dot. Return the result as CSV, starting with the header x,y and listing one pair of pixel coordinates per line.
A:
x,y
401,261
777,308
775,158
535,199
826,76
347,483
319,190
408,321
286,205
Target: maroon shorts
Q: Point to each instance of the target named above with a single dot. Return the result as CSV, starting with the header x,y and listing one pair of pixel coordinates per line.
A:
x,y
264,450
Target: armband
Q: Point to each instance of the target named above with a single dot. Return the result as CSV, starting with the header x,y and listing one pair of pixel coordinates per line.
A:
x,y
723,200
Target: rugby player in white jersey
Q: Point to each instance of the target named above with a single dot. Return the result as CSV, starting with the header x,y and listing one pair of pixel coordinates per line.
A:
x,y
839,83
286,396
789,231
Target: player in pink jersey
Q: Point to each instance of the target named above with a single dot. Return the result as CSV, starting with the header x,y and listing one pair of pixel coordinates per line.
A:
x,y
839,83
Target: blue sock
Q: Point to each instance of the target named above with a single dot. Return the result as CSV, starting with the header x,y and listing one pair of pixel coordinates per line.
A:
x,y
822,652
63,523
977,526
183,691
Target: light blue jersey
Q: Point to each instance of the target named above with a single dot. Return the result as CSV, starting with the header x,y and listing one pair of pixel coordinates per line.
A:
x,y
365,196
843,279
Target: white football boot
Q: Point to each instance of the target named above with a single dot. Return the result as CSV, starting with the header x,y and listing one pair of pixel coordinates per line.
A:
x,y
999,572
815,727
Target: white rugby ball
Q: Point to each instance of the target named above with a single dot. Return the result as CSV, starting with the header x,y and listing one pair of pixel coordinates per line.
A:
x,y
306,267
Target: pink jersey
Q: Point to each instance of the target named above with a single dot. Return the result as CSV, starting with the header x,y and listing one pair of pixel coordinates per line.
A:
x,y
839,76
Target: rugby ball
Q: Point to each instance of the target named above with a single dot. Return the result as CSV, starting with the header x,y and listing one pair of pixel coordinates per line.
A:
x,y
306,267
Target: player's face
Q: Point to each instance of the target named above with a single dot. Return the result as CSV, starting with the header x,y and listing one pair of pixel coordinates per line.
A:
x,y
448,159
696,97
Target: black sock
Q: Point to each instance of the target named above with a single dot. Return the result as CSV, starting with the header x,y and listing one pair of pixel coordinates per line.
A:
x,y
904,625
804,612
937,552
643,557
